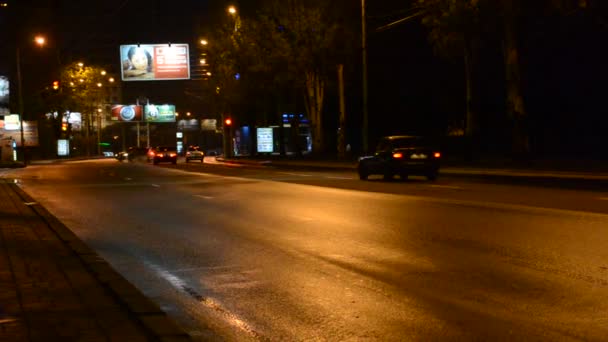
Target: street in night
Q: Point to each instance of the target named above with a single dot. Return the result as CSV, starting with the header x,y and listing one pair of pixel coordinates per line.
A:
x,y
247,253
290,170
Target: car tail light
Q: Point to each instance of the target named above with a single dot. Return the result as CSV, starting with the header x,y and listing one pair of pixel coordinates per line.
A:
x,y
159,154
437,155
397,155
172,154
187,153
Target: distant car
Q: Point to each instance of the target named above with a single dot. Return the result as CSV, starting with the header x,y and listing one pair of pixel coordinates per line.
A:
x,y
195,153
108,154
163,154
401,155
120,156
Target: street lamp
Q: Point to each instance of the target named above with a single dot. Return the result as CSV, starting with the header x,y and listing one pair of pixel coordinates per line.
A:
x,y
204,42
232,11
364,77
40,42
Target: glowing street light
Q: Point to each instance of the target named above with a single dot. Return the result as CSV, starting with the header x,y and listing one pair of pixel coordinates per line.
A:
x,y
103,73
111,79
204,42
40,40
99,84
80,64
232,10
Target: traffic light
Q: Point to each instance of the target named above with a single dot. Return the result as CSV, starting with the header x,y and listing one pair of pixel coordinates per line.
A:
x,y
55,85
64,126
228,122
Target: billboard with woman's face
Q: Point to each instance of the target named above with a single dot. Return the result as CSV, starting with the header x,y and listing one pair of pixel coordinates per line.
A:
x,y
144,62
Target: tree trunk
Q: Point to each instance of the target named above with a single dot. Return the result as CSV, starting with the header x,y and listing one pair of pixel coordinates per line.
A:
x,y
520,145
315,87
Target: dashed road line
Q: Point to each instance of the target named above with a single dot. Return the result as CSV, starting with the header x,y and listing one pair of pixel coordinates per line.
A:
x,y
336,177
155,185
295,174
446,187
203,196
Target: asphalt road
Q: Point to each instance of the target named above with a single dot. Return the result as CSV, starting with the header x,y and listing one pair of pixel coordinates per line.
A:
x,y
238,253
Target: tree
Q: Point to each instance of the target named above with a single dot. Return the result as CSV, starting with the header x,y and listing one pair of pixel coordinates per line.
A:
x,y
459,21
454,26
82,89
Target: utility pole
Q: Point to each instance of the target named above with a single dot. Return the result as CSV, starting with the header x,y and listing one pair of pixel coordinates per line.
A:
x,y
342,119
364,77
20,99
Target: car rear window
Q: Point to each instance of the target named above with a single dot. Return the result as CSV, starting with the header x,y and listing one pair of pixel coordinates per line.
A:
x,y
410,142
166,148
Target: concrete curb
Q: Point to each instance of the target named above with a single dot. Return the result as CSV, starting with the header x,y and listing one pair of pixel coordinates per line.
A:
x,y
153,321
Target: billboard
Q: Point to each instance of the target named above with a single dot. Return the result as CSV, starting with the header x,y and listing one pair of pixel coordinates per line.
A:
x,y
265,139
209,124
12,122
129,113
30,133
159,113
75,119
4,95
63,147
144,62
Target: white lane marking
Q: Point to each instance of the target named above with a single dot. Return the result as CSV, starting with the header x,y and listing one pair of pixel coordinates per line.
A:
x,y
336,177
209,302
30,203
128,179
203,196
295,174
155,185
446,187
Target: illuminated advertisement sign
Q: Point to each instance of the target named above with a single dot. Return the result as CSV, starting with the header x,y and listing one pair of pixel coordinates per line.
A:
x,y
142,62
265,139
209,124
75,119
30,133
129,113
63,147
4,95
159,113
12,122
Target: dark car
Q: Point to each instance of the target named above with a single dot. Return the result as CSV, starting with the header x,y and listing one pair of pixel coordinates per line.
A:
x,y
195,153
163,154
402,155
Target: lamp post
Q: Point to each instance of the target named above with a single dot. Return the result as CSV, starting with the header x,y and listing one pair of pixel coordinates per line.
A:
x,y
364,77
40,41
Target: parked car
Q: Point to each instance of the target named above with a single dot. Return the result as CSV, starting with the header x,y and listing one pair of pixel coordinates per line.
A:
x,y
162,154
195,153
402,155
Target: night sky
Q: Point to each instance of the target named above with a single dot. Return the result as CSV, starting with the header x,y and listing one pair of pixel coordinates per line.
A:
x,y
412,90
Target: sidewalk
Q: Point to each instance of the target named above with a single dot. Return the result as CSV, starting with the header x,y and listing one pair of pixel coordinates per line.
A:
x,y
539,170
54,288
